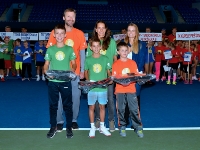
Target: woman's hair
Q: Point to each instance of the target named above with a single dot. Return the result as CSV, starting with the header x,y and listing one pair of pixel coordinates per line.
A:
x,y
106,38
134,45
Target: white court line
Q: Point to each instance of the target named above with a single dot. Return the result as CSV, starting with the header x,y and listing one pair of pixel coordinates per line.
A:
x,y
85,129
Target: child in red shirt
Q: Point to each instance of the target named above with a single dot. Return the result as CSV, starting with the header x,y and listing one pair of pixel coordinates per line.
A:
x,y
195,52
185,64
173,63
158,57
163,61
178,47
126,94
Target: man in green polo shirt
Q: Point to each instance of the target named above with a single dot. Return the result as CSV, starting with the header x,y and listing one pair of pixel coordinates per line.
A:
x,y
60,57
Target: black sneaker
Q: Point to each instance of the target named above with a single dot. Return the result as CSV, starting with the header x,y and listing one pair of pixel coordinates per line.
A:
x,y
59,127
69,133
75,126
51,132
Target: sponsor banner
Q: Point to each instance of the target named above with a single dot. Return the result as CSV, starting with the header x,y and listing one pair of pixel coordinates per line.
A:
x,y
188,35
150,36
25,36
9,34
44,35
119,36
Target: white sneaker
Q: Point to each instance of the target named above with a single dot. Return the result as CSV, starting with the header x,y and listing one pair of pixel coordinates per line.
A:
x,y
38,79
195,78
104,131
92,133
43,78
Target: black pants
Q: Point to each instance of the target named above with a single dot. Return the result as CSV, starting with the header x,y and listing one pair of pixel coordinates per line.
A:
x,y
26,66
65,89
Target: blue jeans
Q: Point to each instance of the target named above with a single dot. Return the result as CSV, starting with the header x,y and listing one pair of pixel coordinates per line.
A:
x,y
65,90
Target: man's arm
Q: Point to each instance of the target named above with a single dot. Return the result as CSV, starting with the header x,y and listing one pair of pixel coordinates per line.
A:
x,y
86,75
82,56
46,66
52,40
74,66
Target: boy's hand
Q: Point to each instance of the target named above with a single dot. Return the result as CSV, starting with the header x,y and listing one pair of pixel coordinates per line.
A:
x,y
111,82
72,70
81,75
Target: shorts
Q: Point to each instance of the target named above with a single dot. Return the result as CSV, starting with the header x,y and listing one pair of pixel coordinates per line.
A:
x,y
18,65
185,68
7,64
2,63
101,97
181,66
40,63
173,65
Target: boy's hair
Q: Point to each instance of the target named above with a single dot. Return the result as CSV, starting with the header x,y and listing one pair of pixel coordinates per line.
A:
x,y
120,44
60,26
7,27
94,40
18,40
69,10
174,28
193,45
6,37
171,44
25,41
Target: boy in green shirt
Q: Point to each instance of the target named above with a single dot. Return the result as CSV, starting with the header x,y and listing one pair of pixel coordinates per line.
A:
x,y
97,67
2,64
8,49
59,57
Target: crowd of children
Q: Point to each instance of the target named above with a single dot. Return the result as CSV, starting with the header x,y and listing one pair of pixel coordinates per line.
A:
x,y
22,54
97,67
176,66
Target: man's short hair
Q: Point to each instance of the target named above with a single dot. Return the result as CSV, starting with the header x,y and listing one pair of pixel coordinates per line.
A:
x,y
60,26
120,44
69,10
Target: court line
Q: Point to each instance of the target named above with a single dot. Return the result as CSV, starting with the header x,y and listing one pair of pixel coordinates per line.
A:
x,y
85,129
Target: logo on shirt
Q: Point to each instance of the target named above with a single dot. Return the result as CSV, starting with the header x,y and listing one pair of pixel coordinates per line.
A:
x,y
60,55
18,51
108,64
69,42
125,71
103,52
97,68
40,51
